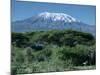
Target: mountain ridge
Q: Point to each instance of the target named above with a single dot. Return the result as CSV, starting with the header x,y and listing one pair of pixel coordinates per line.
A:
x,y
48,21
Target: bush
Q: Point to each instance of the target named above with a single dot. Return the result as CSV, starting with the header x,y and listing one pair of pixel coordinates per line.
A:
x,y
19,39
79,54
49,51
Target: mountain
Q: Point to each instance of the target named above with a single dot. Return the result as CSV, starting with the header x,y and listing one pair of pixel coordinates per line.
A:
x,y
48,21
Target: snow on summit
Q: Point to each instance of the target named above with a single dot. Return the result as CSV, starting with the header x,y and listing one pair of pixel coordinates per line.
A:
x,y
57,17
49,21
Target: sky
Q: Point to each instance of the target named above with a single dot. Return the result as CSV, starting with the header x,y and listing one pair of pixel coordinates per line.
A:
x,y
22,10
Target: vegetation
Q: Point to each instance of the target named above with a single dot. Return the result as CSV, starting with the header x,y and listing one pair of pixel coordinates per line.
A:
x,y
50,51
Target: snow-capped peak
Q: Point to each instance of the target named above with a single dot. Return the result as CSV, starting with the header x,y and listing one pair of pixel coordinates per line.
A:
x,y
58,17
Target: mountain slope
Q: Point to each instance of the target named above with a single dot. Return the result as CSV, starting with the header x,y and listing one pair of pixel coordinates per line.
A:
x,y
48,21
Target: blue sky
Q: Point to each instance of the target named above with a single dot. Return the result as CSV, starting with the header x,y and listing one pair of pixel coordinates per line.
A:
x,y
23,10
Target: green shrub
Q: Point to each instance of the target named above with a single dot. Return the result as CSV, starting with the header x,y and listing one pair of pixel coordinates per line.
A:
x,y
49,51
19,39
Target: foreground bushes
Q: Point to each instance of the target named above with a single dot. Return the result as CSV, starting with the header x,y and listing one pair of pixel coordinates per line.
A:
x,y
51,51
78,54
